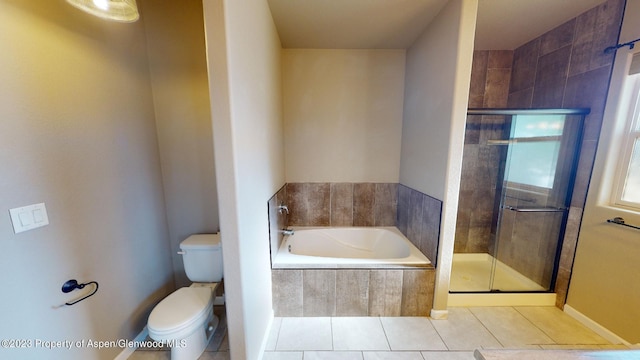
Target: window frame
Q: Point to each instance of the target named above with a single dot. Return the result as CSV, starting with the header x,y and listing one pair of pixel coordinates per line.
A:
x,y
629,139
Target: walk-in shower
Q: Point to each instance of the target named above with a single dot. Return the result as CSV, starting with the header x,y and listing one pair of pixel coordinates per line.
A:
x,y
518,172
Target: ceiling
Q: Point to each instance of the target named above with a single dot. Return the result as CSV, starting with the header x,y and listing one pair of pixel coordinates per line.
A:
x,y
394,24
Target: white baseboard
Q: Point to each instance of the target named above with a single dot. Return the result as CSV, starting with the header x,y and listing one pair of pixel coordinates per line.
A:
x,y
128,351
439,314
597,328
265,339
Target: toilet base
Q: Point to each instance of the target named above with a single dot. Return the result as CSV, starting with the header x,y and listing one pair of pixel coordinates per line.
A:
x,y
191,347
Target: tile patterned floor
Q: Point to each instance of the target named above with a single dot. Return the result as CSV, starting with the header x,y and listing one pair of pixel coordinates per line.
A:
x,y
417,338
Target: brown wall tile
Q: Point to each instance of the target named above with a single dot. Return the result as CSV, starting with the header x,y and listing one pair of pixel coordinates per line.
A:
x,y
346,292
472,129
478,73
419,218
525,63
606,32
414,228
475,101
318,198
309,204
589,90
385,204
385,292
583,175
520,99
363,204
583,42
417,292
352,292
319,292
430,232
500,59
497,88
297,203
287,292
404,198
557,38
551,77
341,204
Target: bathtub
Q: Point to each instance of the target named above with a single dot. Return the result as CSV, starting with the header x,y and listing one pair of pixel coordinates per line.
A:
x,y
347,247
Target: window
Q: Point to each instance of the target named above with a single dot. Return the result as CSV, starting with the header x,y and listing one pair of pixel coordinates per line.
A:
x,y
627,190
535,146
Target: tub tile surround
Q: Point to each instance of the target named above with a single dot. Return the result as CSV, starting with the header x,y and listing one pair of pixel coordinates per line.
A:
x,y
419,220
415,214
351,292
342,204
346,292
277,220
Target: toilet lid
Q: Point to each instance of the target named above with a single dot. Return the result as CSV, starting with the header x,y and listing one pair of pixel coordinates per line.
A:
x,y
180,309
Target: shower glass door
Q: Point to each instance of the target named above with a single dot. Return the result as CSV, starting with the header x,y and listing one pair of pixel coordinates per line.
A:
x,y
536,152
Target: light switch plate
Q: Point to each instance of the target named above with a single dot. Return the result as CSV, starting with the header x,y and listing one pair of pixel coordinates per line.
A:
x,y
29,217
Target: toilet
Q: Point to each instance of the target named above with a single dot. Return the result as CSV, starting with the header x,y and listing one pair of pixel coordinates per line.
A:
x,y
184,320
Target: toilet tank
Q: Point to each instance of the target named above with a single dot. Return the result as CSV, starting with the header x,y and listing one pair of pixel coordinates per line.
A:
x,y
202,257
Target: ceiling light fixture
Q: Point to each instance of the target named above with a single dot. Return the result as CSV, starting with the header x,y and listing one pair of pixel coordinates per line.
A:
x,y
116,10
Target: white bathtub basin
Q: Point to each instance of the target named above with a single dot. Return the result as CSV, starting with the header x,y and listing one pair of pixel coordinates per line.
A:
x,y
348,247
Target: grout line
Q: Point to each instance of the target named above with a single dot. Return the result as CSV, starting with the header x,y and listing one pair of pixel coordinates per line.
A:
x,y
384,331
439,335
571,55
485,326
275,346
331,331
537,327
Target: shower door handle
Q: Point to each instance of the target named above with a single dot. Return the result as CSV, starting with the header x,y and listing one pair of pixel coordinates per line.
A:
x,y
535,210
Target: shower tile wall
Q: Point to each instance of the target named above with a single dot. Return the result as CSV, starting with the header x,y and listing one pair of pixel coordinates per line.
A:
x,y
566,67
490,78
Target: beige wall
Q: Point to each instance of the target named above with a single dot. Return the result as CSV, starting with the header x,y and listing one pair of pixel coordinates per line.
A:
x,y
178,67
78,133
604,284
429,103
438,73
243,53
343,114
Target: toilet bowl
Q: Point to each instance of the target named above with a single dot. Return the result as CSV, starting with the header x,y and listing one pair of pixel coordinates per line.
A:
x,y
184,320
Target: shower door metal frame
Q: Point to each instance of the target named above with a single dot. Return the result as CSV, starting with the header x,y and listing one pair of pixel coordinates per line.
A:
x,y
582,112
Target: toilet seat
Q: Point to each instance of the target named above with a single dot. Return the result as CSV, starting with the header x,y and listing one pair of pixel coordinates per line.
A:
x,y
176,314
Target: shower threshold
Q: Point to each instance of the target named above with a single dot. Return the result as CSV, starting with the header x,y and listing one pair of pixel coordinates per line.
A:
x,y
470,284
